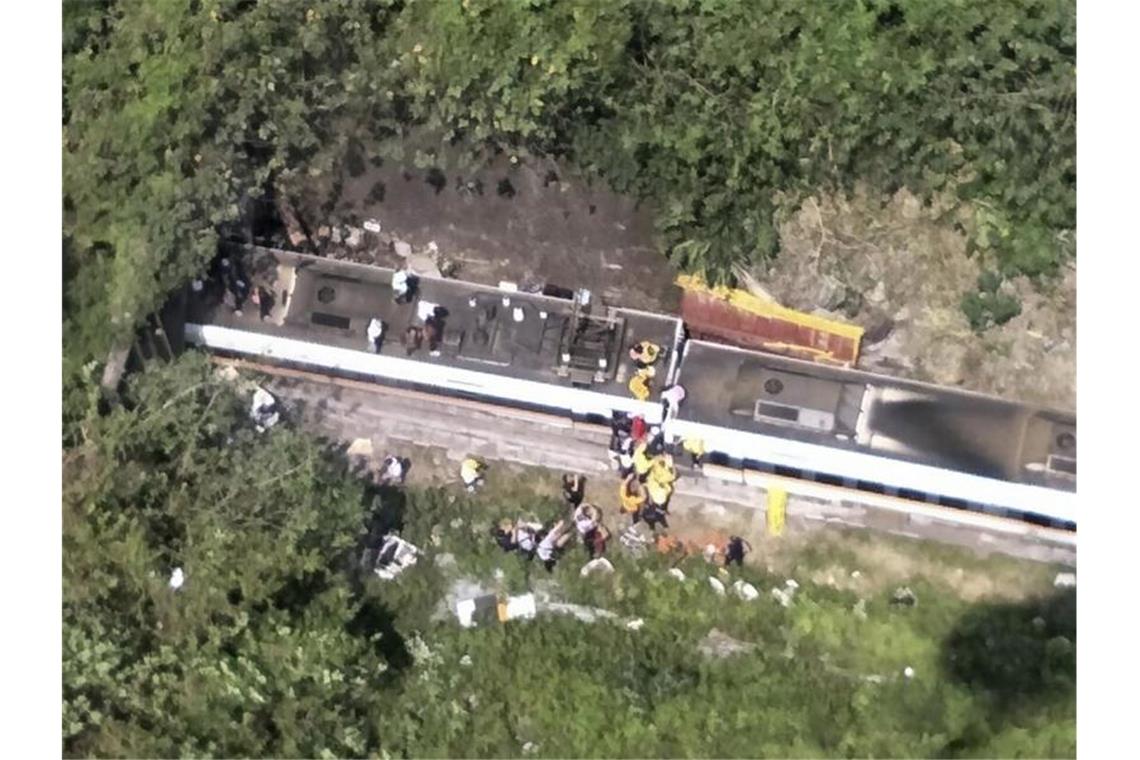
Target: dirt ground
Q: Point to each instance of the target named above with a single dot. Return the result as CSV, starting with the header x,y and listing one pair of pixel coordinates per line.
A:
x,y
549,226
901,270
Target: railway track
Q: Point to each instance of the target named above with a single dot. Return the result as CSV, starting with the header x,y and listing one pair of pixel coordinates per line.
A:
x,y
582,443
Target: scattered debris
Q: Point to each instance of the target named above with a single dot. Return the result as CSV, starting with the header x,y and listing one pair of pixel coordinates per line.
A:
x,y
791,584
432,247
360,447
717,586
529,747
677,573
908,671
745,590
354,238
372,225
583,613
228,373
395,556
176,579
263,411
1065,580
595,566
445,561
401,248
465,661
635,624
784,597
423,265
635,542
856,574
860,609
904,597
717,643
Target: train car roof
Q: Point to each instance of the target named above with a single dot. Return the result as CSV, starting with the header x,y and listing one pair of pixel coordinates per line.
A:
x,y
968,432
532,336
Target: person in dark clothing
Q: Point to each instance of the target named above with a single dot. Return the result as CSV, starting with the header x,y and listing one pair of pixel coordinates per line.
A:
x,y
573,489
504,536
413,339
653,515
735,550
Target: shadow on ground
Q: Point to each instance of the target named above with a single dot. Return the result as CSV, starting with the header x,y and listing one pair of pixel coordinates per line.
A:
x,y
1019,656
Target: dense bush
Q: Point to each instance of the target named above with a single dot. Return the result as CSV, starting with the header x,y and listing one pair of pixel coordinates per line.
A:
x,y
178,115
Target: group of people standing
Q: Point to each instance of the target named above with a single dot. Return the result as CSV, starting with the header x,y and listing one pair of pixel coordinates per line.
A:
x,y
549,542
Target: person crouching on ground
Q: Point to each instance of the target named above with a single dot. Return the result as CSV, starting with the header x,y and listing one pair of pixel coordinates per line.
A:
x,y
735,550
573,489
472,473
393,471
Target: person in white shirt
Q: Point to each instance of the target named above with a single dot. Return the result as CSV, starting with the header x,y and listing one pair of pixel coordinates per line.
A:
x,y
672,398
393,470
375,334
401,285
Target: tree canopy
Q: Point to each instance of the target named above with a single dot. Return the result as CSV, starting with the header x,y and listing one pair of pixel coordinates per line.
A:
x,y
179,116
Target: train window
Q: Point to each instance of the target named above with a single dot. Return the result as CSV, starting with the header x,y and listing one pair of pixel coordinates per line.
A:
x,y
787,472
866,485
910,493
953,503
831,480
777,411
330,320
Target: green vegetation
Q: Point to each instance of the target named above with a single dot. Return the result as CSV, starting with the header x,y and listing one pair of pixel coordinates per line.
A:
x,y
179,118
279,645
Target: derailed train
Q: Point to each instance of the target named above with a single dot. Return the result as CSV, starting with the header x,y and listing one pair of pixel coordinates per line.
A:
x,y
954,454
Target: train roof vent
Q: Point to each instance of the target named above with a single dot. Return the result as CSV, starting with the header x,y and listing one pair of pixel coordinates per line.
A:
x,y
783,414
1061,465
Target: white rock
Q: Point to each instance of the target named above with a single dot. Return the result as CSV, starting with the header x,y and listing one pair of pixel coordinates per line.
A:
x,y
791,584
595,566
355,237
1065,580
745,590
677,573
402,249
177,579
433,247
635,624
856,574
908,671
360,447
784,597
717,586
336,238
465,660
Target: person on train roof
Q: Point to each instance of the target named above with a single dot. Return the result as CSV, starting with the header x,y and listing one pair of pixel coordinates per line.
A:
x,y
672,397
639,384
401,285
644,353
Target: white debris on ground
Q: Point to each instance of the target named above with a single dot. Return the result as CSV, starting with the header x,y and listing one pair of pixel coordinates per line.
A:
x,y
635,624
263,410
860,609
787,593
360,447
465,661
601,565
177,579
717,643
717,586
908,671
395,556
745,590
583,613
1065,580
677,573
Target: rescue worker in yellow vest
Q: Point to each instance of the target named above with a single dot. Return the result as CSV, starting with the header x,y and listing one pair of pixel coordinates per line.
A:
x,y
695,447
639,384
644,353
659,494
662,471
471,473
641,461
632,495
